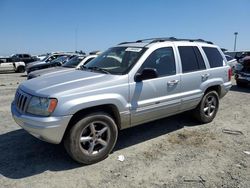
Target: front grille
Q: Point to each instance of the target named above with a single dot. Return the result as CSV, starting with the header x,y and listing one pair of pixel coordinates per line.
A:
x,y
21,101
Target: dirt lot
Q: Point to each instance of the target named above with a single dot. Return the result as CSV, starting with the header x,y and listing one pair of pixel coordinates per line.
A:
x,y
172,152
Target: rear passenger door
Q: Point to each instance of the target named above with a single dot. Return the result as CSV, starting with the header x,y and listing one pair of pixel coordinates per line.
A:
x,y
194,73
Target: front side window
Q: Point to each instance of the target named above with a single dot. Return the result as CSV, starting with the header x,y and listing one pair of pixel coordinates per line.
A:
x,y
214,57
162,60
191,59
117,60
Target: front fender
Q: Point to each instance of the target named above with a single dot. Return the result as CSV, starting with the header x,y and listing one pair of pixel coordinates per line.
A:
x,y
72,106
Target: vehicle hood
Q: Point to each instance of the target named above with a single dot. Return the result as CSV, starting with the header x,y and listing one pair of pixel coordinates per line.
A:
x,y
35,63
49,71
65,83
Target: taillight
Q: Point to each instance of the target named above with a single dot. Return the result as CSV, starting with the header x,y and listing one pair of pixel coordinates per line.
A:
x,y
230,73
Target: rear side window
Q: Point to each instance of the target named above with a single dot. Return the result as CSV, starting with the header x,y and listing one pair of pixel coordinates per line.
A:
x,y
214,57
191,59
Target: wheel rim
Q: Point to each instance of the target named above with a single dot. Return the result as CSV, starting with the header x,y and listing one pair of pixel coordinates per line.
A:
x,y
95,137
210,105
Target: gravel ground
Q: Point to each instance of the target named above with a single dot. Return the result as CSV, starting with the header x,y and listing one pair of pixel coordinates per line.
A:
x,y
172,152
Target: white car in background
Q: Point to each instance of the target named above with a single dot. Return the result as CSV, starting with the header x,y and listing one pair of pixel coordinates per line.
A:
x,y
232,62
42,56
74,63
6,64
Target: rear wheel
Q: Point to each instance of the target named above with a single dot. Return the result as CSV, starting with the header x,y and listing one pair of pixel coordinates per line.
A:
x,y
91,138
206,111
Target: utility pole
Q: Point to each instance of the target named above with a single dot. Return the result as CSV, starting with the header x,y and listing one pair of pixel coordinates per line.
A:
x,y
76,37
235,40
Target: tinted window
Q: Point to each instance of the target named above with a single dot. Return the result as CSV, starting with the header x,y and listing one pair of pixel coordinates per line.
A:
x,y
200,59
229,58
72,63
191,59
162,60
214,57
26,56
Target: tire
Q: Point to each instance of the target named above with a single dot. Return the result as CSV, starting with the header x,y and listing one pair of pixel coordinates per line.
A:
x,y
207,109
20,69
241,84
91,138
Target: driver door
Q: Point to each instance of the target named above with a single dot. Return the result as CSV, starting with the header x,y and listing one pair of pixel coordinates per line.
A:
x,y
156,97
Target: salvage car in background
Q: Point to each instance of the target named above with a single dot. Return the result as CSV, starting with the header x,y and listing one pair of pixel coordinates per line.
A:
x,y
74,63
59,61
48,58
242,72
7,64
26,58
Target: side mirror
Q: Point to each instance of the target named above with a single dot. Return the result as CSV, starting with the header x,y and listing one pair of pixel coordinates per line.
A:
x,y
147,73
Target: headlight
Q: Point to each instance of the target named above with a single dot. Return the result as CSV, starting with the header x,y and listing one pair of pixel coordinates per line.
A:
x,y
41,106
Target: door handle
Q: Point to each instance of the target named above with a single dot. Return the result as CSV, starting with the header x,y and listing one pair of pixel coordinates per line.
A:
x,y
205,75
173,82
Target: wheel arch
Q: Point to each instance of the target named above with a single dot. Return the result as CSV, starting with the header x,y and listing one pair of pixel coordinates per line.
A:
x,y
110,109
216,88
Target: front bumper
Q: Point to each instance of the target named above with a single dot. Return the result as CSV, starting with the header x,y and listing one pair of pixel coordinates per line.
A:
x,y
49,129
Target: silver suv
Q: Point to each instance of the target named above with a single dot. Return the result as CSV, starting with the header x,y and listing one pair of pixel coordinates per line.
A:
x,y
127,85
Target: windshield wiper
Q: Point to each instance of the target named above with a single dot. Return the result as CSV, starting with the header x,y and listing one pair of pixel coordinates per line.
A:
x,y
95,69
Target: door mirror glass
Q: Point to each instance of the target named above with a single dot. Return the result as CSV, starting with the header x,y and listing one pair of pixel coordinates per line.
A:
x,y
147,73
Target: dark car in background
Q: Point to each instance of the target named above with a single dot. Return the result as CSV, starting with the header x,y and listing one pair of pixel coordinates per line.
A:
x,y
48,58
26,58
74,63
53,61
242,72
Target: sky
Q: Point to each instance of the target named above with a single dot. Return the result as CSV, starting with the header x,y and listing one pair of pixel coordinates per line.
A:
x,y
33,26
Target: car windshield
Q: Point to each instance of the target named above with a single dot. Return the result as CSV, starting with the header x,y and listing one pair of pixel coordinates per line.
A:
x,y
117,60
74,62
46,57
59,59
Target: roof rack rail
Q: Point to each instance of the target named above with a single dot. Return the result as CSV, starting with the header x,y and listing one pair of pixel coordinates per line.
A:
x,y
154,40
177,39
124,43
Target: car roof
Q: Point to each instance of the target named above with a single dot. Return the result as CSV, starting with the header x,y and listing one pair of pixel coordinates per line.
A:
x,y
152,41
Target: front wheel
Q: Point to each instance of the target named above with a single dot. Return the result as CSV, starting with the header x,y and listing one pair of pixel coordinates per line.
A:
x,y
91,138
206,111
